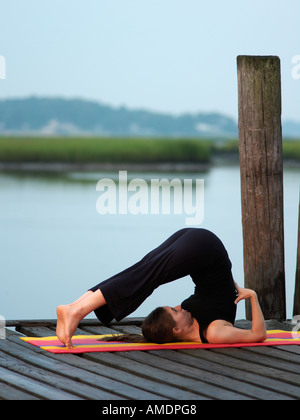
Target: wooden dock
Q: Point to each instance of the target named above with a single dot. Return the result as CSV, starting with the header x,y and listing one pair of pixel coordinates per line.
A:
x,y
258,373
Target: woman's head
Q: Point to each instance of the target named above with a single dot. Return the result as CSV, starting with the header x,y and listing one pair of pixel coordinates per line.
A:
x,y
163,325
159,326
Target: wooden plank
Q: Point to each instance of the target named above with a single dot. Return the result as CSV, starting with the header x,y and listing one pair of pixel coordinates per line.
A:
x,y
128,329
166,384
214,384
151,384
290,349
246,354
33,386
54,372
235,359
275,353
110,372
141,388
38,331
131,361
249,372
261,162
8,392
99,330
57,381
87,379
228,377
84,322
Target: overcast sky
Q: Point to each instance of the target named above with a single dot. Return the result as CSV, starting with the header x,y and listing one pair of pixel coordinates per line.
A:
x,y
164,55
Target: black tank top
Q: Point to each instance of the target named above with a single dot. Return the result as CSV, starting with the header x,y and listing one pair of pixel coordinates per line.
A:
x,y
215,291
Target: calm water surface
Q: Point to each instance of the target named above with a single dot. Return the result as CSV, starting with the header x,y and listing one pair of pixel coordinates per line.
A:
x,y
54,245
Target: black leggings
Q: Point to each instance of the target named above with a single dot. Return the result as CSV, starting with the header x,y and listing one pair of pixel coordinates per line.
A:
x,y
190,251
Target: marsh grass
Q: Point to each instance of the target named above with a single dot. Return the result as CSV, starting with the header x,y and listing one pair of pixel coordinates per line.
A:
x,y
83,150
94,150
291,149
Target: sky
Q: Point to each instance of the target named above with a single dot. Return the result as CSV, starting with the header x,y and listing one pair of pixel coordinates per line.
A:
x,y
172,56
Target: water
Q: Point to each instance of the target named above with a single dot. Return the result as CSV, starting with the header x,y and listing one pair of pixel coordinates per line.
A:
x,y
54,245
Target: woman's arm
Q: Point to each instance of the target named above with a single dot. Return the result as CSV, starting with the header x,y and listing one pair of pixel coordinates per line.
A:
x,y
258,321
220,334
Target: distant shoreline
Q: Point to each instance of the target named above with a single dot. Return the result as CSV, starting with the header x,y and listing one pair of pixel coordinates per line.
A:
x,y
164,167
103,167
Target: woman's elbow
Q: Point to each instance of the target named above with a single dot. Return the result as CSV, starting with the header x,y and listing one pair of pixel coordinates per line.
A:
x,y
262,337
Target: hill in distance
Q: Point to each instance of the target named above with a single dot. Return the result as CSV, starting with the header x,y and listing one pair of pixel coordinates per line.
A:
x,y
58,116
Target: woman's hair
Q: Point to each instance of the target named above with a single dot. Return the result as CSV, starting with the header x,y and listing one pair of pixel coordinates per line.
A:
x,y
156,328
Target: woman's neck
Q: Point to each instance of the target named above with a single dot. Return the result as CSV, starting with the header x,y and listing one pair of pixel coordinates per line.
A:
x,y
193,334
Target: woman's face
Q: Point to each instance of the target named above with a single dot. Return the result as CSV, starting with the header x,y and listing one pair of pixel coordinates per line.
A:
x,y
183,319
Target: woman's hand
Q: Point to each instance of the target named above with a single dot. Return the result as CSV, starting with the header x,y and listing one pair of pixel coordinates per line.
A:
x,y
243,293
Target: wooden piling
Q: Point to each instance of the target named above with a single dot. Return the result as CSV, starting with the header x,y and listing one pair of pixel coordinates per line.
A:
x,y
297,286
261,162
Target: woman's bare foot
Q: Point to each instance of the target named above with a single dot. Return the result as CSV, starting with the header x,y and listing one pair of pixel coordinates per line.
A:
x,y
67,322
69,316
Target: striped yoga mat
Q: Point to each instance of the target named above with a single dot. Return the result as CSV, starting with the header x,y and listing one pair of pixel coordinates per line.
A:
x,y
91,343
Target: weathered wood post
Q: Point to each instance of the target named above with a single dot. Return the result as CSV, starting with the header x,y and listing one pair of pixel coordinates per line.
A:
x,y
297,286
261,162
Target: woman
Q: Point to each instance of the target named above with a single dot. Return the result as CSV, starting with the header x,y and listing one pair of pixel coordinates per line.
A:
x,y
207,316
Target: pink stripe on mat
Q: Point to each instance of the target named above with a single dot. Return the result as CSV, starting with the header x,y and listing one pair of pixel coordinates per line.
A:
x,y
91,343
